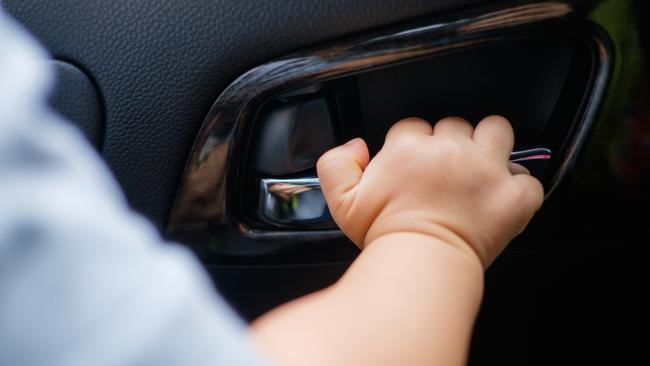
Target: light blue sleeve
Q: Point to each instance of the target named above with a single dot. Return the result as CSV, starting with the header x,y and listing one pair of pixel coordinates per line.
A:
x,y
84,280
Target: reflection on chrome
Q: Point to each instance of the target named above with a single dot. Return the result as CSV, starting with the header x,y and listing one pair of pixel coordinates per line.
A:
x,y
294,202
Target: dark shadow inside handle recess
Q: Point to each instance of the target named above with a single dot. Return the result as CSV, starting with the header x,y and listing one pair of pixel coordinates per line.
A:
x,y
538,82
520,80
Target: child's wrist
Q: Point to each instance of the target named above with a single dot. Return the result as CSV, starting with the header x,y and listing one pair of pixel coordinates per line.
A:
x,y
431,254
431,230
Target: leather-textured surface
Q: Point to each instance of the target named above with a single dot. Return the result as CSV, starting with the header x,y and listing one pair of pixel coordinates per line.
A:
x,y
160,64
75,98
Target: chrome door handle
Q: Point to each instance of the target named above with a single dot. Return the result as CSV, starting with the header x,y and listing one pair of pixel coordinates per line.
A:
x,y
538,153
299,202
294,202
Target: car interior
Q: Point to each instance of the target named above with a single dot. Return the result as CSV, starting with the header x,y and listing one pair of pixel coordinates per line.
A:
x,y
212,114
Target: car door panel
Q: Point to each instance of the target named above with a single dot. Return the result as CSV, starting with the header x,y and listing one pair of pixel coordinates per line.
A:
x,y
567,290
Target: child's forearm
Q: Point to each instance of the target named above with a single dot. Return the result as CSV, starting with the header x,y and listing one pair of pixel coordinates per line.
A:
x,y
409,299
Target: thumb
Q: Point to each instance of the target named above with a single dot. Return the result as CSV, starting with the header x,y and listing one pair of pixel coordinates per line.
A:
x,y
340,170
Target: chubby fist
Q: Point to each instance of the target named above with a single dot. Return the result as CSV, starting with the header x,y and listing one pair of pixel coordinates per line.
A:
x,y
450,181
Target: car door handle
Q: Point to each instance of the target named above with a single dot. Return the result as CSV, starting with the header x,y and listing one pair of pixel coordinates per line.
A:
x,y
299,202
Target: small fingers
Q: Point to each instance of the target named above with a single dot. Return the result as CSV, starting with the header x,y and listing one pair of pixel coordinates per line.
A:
x,y
495,134
453,126
410,126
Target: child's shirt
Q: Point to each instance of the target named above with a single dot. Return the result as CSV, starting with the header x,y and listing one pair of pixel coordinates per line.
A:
x,y
84,280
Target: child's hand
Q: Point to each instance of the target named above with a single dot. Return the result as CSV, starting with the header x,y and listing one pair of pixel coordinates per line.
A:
x,y
450,181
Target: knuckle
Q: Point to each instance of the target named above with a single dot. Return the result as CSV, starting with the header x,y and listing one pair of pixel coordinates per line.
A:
x,y
326,163
496,122
409,121
454,119
413,119
327,158
496,118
